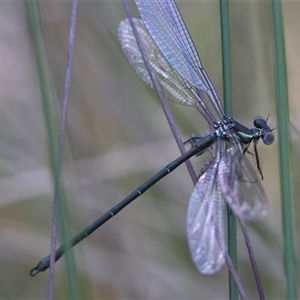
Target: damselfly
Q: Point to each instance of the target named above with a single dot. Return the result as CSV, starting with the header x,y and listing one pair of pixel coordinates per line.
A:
x,y
230,177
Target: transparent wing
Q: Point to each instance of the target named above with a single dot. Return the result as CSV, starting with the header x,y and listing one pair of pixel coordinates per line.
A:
x,y
232,179
206,223
174,87
166,26
241,186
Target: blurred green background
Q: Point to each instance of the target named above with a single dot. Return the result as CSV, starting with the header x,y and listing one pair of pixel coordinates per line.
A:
x,y
117,137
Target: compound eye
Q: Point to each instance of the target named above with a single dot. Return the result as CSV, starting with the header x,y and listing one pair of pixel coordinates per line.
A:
x,y
268,139
259,122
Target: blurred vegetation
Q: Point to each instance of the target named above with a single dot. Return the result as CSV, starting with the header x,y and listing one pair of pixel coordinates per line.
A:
x,y
117,137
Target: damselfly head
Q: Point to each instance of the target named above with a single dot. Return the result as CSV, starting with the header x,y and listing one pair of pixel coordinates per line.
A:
x,y
267,135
